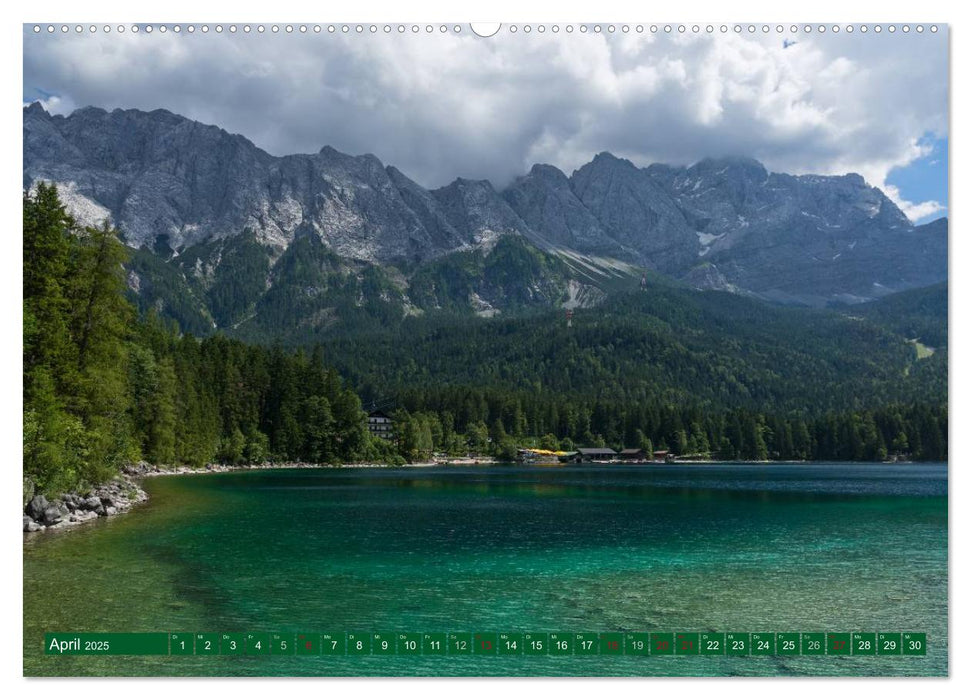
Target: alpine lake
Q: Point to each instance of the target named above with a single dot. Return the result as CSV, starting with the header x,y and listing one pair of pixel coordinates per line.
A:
x,y
592,548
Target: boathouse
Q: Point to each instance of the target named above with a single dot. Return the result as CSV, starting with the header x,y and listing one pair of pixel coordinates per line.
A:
x,y
595,454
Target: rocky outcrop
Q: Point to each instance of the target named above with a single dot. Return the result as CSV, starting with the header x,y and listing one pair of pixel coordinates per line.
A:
x,y
547,204
809,239
475,209
168,183
115,497
637,213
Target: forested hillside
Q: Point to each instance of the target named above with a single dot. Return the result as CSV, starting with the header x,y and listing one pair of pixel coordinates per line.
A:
x,y
103,386
664,343
695,372
703,373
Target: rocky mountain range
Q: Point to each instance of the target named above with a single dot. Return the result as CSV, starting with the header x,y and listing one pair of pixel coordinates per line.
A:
x,y
208,210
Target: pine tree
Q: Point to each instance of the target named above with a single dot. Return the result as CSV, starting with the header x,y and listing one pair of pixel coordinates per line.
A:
x,y
49,244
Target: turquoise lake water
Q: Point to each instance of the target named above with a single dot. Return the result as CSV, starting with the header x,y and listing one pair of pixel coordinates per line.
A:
x,y
686,548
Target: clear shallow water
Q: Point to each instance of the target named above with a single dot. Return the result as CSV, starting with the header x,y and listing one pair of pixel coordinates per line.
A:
x,y
660,548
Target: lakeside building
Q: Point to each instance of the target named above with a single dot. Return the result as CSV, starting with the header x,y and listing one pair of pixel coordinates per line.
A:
x,y
595,454
380,425
586,455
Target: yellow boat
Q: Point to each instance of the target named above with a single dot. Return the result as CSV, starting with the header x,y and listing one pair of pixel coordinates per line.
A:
x,y
542,458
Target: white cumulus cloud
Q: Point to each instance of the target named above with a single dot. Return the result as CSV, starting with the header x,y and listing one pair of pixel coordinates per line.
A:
x,y
444,106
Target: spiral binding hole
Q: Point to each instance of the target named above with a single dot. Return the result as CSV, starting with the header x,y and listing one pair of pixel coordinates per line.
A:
x,y
512,28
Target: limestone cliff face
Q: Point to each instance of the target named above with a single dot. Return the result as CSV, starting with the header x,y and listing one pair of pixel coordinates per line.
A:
x,y
171,184
803,238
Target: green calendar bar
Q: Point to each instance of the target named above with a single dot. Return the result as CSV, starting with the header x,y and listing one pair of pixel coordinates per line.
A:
x,y
637,644
738,643
763,644
488,644
257,644
434,644
611,644
485,643
282,644
181,644
838,643
864,643
510,643
333,644
106,644
383,644
308,644
207,644
586,643
561,644
662,643
232,644
711,643
787,644
686,643
408,644
536,643
914,644
459,643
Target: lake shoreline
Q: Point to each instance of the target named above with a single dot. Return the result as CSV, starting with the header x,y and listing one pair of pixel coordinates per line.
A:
x,y
122,493
112,498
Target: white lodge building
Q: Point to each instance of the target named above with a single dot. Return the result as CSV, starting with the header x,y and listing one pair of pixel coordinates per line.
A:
x,y
380,425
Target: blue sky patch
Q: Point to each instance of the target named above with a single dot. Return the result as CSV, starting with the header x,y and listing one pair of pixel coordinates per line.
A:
x,y
925,179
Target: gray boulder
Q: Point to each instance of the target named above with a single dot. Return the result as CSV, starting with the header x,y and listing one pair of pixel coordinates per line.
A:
x,y
91,503
82,516
35,509
54,514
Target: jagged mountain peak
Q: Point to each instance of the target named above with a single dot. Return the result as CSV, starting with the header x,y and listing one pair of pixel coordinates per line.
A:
x,y
547,173
608,157
468,185
164,178
330,153
546,202
937,226
605,161
35,109
636,212
738,166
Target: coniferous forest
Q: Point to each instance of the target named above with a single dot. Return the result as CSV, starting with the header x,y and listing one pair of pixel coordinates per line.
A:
x,y
706,374
103,386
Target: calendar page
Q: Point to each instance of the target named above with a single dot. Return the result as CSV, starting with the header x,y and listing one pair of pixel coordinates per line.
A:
x,y
520,349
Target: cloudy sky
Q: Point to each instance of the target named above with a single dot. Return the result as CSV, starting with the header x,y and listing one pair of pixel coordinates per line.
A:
x,y
441,106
